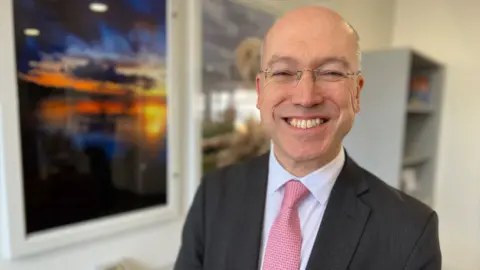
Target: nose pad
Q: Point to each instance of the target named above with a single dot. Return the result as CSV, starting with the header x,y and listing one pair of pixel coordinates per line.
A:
x,y
305,95
300,74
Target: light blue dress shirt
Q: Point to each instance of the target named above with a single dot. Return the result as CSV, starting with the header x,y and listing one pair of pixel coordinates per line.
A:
x,y
310,210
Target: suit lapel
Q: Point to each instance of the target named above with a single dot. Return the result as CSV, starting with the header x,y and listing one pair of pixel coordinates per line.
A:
x,y
343,221
247,227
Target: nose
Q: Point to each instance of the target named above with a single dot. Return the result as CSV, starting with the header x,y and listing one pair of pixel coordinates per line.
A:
x,y
304,93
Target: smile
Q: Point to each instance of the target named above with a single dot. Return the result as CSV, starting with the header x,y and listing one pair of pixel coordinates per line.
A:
x,y
305,123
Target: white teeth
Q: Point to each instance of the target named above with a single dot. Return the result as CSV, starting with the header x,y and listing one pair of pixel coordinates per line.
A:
x,y
309,123
302,123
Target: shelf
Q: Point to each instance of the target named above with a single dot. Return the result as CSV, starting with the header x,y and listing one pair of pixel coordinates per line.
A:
x,y
419,109
414,160
410,87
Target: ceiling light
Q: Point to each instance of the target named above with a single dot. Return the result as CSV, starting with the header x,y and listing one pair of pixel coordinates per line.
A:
x,y
98,7
33,32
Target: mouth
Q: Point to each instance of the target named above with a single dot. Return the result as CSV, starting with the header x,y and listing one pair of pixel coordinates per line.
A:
x,y
305,123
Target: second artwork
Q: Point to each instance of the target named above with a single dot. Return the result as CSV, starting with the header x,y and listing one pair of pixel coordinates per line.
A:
x,y
232,38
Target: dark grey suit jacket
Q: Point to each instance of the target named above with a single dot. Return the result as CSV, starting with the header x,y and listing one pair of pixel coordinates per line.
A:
x,y
367,225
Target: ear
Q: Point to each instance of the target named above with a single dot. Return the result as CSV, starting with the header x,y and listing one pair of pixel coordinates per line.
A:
x,y
257,87
356,98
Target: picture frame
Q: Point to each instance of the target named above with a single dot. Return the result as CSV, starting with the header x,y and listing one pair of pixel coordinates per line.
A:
x,y
16,242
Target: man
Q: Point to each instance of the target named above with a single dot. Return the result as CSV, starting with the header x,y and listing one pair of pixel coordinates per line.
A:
x,y
306,204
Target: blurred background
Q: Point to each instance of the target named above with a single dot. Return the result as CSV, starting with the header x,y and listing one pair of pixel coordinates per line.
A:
x,y
417,129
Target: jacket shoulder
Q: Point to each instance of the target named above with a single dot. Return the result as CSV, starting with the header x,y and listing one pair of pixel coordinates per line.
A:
x,y
234,178
233,172
394,204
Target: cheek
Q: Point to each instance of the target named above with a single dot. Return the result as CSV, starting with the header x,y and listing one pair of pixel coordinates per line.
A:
x,y
344,105
354,100
341,100
267,104
346,99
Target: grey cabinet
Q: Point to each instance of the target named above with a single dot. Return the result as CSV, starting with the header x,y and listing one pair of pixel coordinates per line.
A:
x,y
395,135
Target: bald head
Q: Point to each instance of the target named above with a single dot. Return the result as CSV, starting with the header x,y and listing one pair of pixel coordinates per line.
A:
x,y
310,27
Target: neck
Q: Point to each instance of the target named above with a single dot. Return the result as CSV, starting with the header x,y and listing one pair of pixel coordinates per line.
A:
x,y
300,168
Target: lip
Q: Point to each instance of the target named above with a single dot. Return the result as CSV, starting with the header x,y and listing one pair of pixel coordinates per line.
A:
x,y
307,116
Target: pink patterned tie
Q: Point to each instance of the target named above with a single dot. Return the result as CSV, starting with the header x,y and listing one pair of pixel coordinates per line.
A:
x,y
285,239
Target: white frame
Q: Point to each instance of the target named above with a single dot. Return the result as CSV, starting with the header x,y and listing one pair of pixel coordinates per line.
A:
x,y
193,15
15,242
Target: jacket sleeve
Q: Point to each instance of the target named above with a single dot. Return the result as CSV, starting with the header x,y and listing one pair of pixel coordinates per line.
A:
x,y
192,247
427,254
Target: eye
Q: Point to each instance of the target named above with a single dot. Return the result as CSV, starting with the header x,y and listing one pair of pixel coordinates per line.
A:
x,y
330,75
282,73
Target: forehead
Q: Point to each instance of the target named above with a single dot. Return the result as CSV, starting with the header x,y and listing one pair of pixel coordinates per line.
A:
x,y
303,44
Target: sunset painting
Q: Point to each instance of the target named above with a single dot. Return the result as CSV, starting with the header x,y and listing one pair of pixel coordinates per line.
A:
x,y
93,107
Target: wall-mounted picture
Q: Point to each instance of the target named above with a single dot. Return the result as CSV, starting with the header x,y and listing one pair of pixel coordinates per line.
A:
x,y
92,103
232,38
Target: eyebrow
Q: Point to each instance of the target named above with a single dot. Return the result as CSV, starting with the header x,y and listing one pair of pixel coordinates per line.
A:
x,y
318,62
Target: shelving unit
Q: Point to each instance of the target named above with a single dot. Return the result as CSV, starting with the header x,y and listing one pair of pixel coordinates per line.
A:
x,y
419,109
414,160
396,132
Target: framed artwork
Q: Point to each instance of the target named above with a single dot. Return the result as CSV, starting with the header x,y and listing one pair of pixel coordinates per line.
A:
x,y
90,133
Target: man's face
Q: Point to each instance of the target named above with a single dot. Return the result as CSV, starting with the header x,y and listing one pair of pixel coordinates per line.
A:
x,y
308,118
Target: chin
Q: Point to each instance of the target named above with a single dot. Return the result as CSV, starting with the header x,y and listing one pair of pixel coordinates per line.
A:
x,y
305,144
305,151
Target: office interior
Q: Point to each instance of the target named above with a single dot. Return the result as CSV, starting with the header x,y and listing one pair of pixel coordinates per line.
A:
x,y
441,35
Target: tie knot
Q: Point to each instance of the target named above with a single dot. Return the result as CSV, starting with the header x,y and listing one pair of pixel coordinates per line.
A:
x,y
295,191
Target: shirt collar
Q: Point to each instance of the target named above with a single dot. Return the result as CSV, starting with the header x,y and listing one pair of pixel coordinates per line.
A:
x,y
319,182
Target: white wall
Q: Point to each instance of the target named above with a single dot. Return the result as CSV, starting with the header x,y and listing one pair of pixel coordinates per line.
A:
x,y
449,30
154,246
373,20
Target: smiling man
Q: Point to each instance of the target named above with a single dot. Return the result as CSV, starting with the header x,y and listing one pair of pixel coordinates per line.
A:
x,y
306,204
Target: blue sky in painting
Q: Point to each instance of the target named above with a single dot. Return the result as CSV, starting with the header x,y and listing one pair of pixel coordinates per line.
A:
x,y
129,29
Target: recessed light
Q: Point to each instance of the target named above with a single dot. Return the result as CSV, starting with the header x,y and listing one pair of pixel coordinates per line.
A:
x,y
33,32
98,7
